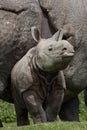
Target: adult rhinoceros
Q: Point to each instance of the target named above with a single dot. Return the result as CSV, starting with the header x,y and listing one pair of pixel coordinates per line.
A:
x,y
16,18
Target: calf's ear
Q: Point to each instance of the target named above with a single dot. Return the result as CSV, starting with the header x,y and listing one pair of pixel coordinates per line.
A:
x,y
35,34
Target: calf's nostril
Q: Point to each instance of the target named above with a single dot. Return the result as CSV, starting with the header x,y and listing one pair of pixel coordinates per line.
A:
x,y
50,49
64,49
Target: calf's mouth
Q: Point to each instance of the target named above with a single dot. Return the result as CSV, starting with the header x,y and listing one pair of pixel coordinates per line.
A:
x,y
68,54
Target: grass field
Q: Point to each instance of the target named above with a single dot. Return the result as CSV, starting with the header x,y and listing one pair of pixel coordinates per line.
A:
x,y
49,126
8,115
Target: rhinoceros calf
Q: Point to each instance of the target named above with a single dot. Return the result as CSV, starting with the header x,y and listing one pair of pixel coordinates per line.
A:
x,y
37,82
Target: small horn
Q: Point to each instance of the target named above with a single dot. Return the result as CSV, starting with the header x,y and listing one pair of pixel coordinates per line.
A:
x,y
58,35
55,36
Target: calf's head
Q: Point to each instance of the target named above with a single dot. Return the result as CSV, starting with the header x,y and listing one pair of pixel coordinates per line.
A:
x,y
53,54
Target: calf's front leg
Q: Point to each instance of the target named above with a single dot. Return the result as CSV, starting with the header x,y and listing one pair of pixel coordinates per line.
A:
x,y
21,111
34,107
54,103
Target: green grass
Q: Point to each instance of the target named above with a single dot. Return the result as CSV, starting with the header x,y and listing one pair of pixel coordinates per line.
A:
x,y
7,114
49,126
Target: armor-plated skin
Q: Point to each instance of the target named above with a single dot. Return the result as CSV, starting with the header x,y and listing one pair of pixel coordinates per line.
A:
x,y
60,14
17,17
74,13
36,79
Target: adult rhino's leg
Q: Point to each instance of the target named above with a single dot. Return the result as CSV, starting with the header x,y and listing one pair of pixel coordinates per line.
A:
x,y
34,107
22,116
1,124
5,91
85,96
70,110
54,103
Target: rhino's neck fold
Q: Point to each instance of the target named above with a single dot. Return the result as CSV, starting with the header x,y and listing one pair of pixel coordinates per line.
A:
x,y
36,63
47,77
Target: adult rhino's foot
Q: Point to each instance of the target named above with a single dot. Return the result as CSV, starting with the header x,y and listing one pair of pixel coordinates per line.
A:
x,y
5,93
22,119
1,125
70,110
1,87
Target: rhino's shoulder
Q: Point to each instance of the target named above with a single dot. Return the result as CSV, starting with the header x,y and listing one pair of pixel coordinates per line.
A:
x,y
17,6
22,66
22,73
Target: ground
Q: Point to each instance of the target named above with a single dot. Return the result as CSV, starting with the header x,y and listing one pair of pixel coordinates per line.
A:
x,y
8,115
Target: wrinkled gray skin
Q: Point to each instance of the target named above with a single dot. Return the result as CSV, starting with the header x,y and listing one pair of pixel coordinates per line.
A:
x,y
68,12
29,91
61,13
16,18
74,13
